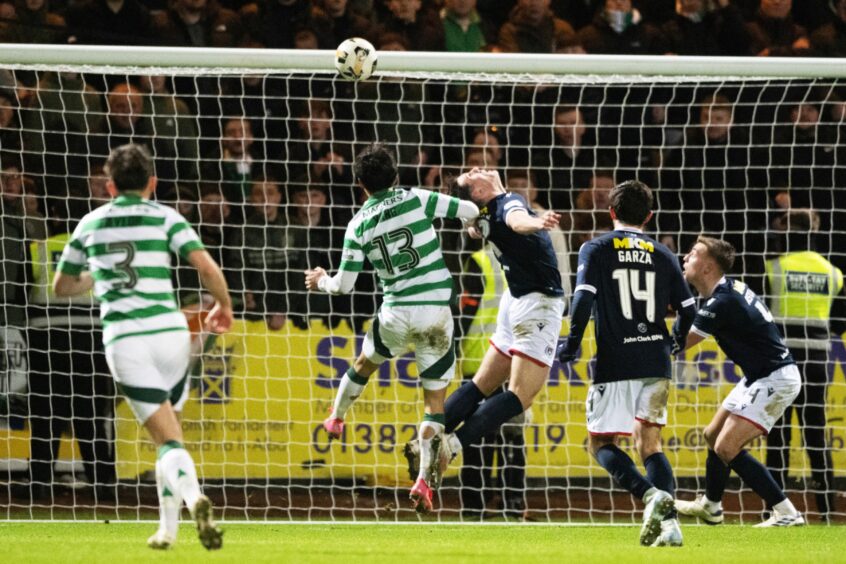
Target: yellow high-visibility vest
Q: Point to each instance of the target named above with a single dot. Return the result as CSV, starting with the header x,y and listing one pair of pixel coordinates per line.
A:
x,y
45,257
474,345
803,287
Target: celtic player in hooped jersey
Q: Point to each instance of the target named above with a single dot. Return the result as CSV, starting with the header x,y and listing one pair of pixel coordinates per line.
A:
x,y
394,232
122,251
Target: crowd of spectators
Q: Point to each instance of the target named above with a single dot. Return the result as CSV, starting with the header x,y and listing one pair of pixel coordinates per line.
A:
x,y
262,163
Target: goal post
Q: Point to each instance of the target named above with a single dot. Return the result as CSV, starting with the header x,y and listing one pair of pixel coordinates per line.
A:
x,y
254,147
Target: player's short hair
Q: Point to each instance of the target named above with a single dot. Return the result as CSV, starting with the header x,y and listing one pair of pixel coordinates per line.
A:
x,y
376,168
631,201
721,251
130,167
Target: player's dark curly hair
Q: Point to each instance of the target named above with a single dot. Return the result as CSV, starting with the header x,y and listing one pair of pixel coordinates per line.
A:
x,y
376,168
721,251
631,201
130,167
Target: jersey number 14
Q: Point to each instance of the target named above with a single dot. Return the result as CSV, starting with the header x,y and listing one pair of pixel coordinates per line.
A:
x,y
628,282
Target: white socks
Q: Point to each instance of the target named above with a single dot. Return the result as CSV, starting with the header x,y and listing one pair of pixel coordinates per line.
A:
x,y
179,474
428,431
348,392
785,507
170,505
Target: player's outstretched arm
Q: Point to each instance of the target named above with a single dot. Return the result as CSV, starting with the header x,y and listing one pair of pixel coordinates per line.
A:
x,y
521,222
220,317
341,283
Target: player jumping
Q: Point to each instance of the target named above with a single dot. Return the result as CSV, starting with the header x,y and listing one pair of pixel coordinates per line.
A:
x,y
394,232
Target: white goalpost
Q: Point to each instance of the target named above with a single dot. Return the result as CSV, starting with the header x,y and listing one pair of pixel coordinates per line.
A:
x,y
255,148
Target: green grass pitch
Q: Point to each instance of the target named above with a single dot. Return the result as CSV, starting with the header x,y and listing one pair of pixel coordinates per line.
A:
x,y
358,544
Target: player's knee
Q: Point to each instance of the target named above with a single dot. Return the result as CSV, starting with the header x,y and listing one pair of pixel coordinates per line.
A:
x,y
710,434
726,450
596,442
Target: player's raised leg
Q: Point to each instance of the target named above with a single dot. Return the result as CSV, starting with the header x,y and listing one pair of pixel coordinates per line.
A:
x,y
352,385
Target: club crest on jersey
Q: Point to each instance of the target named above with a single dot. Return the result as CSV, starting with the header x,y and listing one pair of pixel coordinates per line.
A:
x,y
484,227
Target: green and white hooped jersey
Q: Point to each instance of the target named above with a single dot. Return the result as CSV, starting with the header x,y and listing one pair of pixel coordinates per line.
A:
x,y
394,231
126,245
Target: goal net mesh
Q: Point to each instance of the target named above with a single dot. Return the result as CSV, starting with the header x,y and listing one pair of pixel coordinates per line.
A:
x,y
260,163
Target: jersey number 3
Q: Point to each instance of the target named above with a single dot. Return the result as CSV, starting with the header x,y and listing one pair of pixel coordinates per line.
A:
x,y
130,277
628,281
407,256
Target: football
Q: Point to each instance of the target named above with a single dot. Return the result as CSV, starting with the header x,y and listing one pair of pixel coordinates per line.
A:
x,y
355,59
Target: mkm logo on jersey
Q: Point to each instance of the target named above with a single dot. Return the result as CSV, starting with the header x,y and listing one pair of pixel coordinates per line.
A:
x,y
633,243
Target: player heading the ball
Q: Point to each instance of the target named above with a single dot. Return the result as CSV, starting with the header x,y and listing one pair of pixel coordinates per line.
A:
x,y
394,231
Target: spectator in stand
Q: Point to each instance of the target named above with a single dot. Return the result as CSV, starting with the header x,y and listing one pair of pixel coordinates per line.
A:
x,y
221,239
533,28
60,117
830,39
34,23
173,123
590,218
317,155
274,22
197,23
577,13
521,181
346,23
266,255
421,27
110,22
619,29
10,127
773,33
488,140
464,29
238,161
705,27
14,191
568,164
175,153
310,237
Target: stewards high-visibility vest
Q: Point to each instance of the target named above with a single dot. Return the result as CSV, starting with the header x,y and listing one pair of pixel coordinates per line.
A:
x,y
474,345
803,287
45,257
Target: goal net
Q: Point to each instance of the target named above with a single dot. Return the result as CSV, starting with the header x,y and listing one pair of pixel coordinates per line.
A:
x,y
255,148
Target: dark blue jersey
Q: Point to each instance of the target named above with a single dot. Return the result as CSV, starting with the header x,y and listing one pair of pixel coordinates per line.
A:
x,y
744,328
529,261
634,279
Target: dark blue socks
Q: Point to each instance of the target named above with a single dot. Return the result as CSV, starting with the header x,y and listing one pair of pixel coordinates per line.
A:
x,y
622,468
488,418
716,476
757,477
461,404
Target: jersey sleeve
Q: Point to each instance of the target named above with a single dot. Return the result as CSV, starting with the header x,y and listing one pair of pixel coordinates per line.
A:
x,y
680,295
710,317
73,260
437,204
352,255
511,203
587,274
181,237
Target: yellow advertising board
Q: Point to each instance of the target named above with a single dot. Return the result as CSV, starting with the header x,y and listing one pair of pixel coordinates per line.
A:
x,y
258,403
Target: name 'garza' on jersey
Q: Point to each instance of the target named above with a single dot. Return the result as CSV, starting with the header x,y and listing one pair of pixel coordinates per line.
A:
x,y
634,279
529,261
744,328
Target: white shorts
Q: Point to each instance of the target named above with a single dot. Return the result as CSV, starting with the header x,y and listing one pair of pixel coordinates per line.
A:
x,y
763,402
428,329
613,408
151,369
529,326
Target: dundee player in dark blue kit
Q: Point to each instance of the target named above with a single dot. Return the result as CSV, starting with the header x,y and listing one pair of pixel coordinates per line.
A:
x,y
744,328
530,312
628,280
